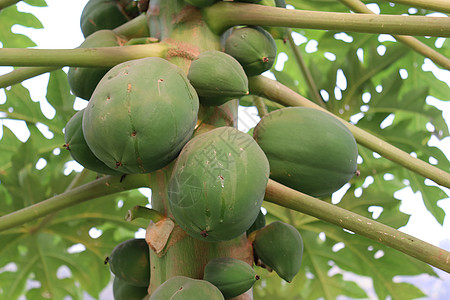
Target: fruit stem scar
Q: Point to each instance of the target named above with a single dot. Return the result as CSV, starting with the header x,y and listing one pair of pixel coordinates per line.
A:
x,y
265,59
204,233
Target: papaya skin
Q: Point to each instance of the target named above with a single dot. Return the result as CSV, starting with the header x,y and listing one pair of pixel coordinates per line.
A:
x,y
280,246
218,184
185,288
125,291
308,150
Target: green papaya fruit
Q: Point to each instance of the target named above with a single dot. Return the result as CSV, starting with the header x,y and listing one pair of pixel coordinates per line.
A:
x,y
201,3
130,261
260,222
232,276
125,291
308,150
253,47
248,1
185,288
103,14
217,77
217,184
79,150
83,81
140,115
280,246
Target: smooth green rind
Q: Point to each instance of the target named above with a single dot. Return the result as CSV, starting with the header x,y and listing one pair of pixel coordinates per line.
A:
x,y
248,1
308,150
140,115
125,291
79,150
259,223
101,14
130,262
253,47
185,288
218,184
83,81
217,77
231,276
280,246
201,3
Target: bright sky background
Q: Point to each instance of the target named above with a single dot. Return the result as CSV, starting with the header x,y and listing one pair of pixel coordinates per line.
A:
x,y
61,23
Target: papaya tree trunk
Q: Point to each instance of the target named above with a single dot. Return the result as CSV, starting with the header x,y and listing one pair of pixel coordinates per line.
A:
x,y
176,23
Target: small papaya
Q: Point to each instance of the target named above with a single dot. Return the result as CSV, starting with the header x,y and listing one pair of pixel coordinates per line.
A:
x,y
201,3
253,47
231,276
106,14
308,150
140,115
185,288
130,261
125,291
79,150
260,222
217,77
83,81
280,246
217,184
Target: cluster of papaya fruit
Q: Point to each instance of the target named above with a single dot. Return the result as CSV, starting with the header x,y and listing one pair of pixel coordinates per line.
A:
x,y
141,117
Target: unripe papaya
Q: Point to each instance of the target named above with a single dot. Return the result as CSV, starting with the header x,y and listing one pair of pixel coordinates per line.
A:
x,y
140,115
185,288
217,77
253,47
83,81
201,3
248,1
79,150
217,185
259,223
280,246
308,150
231,276
125,291
102,14
130,262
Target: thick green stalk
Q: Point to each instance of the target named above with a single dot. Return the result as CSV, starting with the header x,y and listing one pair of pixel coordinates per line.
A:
x,y
305,71
135,28
430,254
436,5
106,185
271,89
224,15
413,43
79,57
21,74
5,3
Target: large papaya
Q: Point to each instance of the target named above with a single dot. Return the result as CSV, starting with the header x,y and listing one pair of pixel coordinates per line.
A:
x,y
217,184
106,14
201,3
79,150
259,223
217,77
279,246
253,47
231,276
185,288
140,115
308,150
130,262
83,81
125,291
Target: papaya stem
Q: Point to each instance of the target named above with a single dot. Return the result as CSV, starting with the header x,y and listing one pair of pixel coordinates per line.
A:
x,y
224,15
260,106
80,57
436,5
143,212
411,42
18,75
103,186
135,28
305,71
287,197
278,92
